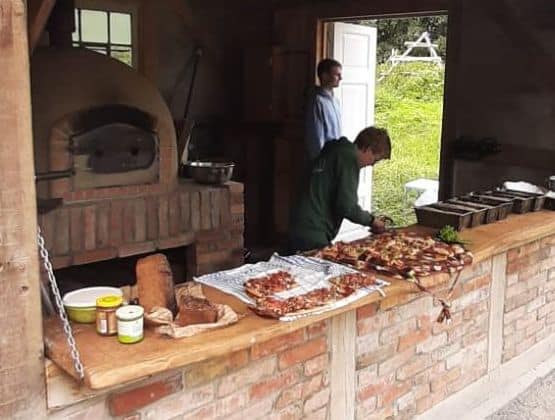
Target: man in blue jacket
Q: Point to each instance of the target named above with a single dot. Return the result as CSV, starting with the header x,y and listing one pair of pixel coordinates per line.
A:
x,y
323,117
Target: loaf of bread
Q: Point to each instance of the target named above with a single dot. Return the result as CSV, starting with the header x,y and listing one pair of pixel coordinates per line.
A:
x,y
195,310
155,282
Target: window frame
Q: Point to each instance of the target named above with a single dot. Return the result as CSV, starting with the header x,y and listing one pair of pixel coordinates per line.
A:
x,y
113,6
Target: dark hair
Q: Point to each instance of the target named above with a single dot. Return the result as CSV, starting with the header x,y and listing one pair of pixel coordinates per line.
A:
x,y
326,65
377,139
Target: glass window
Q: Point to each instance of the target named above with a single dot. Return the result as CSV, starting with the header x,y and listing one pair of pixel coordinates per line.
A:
x,y
105,32
94,26
120,28
122,54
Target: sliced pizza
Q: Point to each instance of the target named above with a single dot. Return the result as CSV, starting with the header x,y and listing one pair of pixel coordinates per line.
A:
x,y
401,255
347,284
270,284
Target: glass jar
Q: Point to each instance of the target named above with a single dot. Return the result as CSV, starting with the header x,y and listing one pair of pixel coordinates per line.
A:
x,y
130,324
106,321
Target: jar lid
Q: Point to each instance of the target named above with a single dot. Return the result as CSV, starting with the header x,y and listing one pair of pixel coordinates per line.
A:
x,y
130,312
109,301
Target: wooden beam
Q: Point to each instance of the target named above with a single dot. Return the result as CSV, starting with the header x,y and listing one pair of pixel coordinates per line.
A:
x,y
449,118
38,16
22,393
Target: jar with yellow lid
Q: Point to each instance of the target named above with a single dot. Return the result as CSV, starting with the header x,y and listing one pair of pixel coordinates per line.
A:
x,y
106,321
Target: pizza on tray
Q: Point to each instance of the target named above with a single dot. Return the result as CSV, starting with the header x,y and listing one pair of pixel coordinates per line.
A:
x,y
401,255
347,284
259,287
273,307
341,287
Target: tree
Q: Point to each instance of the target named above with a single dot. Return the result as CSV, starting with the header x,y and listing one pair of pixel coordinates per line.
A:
x,y
393,33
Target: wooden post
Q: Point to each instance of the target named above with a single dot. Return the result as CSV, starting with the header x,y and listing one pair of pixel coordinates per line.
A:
x,y
449,119
22,389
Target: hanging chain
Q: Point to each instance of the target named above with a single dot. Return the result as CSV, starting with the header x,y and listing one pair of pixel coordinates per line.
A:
x,y
60,306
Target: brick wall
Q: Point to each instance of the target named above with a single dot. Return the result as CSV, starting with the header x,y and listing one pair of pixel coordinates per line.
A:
x,y
529,296
284,378
208,218
407,362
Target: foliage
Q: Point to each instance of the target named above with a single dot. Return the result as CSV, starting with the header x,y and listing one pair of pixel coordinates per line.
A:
x,y
393,33
409,81
449,235
409,105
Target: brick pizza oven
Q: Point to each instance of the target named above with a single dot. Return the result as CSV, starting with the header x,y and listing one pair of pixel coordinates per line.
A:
x,y
109,129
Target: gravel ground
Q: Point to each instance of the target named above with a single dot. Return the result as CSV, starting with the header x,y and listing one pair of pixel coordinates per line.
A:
x,y
535,403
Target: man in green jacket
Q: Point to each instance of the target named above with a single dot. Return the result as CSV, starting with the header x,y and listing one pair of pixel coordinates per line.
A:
x,y
330,194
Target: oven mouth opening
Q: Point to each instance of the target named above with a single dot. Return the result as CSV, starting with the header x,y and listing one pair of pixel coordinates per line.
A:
x,y
112,145
115,148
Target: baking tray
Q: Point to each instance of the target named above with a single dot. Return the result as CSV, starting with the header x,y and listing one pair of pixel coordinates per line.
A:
x,y
549,203
492,212
477,216
520,204
503,205
437,218
538,200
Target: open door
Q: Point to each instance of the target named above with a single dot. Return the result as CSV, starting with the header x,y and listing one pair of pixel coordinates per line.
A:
x,y
354,46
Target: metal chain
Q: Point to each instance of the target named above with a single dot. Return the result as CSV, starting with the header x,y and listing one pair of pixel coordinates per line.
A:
x,y
60,306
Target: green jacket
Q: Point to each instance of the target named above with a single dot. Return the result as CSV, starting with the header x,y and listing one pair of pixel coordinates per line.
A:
x,y
329,196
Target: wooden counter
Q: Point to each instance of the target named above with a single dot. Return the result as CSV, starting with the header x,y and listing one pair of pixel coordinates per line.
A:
x,y
108,363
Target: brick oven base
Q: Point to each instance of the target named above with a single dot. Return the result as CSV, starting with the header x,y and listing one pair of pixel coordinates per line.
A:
x,y
208,220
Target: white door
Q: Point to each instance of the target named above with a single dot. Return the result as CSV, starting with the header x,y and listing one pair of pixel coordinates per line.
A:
x,y
354,46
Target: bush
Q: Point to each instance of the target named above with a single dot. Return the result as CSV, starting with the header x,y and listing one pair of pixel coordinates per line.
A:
x,y
409,105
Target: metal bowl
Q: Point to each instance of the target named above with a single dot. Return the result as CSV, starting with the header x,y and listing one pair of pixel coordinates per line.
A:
x,y
211,172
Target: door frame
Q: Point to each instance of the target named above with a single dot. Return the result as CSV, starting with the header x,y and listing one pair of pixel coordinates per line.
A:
x,y
448,120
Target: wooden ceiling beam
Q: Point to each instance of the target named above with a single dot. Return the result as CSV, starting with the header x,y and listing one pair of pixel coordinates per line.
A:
x,y
38,17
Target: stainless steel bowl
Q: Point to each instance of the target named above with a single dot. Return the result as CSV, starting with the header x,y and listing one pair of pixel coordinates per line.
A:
x,y
210,172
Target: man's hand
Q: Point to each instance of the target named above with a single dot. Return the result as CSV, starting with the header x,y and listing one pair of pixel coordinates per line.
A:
x,y
378,225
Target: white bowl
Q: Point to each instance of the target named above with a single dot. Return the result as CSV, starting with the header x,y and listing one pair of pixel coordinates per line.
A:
x,y
82,298
80,304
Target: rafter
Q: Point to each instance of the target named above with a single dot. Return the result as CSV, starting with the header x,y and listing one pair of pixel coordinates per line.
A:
x,y
39,12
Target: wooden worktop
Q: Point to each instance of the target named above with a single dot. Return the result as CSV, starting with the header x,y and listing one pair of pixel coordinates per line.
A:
x,y
108,363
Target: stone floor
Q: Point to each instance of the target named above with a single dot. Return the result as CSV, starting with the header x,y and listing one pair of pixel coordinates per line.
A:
x,y
536,403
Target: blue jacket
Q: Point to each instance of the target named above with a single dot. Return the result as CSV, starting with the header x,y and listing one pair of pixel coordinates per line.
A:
x,y
323,121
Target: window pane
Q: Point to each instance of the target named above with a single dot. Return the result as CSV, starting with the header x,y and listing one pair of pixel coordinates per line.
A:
x,y
75,35
123,54
100,50
120,28
94,26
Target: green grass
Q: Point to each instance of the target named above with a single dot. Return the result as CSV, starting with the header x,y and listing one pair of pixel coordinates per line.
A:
x,y
409,105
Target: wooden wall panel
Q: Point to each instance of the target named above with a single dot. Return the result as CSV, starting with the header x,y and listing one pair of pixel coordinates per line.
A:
x,y
21,359
504,88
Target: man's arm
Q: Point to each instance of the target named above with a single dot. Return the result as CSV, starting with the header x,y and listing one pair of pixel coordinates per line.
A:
x,y
314,128
347,197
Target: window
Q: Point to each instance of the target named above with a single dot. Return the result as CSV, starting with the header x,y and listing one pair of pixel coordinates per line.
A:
x,y
105,30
